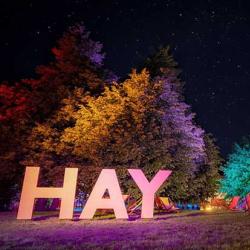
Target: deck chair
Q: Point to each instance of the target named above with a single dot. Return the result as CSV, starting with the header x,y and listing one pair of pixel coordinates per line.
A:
x,y
248,203
242,204
167,205
158,203
234,202
135,206
218,203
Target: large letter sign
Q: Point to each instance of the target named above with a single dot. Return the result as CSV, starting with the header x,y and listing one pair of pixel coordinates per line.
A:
x,y
148,189
31,191
107,180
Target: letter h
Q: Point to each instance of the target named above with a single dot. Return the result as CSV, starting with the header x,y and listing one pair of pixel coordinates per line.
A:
x,y
30,192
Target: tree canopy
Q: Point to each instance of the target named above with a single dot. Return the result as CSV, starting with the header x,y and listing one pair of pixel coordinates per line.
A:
x,y
77,68
236,181
76,113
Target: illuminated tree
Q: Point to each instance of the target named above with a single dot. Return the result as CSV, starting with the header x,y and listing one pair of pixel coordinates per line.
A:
x,y
236,181
193,143
77,68
205,183
15,110
163,64
140,123
78,63
111,130
75,114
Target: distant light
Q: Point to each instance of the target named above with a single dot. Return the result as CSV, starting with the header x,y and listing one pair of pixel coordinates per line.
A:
x,y
208,208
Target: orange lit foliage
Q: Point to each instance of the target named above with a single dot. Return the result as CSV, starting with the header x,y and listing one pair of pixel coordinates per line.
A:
x,y
121,127
125,127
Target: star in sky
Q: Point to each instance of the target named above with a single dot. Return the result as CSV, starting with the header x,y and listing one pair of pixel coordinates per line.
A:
x,y
210,41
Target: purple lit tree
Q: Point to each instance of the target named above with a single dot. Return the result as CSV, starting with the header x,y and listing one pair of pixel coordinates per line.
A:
x,y
196,158
181,119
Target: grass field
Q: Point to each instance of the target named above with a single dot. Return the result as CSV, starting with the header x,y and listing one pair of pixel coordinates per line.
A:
x,y
185,230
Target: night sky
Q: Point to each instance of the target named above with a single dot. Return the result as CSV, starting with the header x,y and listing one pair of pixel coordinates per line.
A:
x,y
209,39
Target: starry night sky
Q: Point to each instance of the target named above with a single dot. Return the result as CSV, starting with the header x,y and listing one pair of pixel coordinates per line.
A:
x,y
209,39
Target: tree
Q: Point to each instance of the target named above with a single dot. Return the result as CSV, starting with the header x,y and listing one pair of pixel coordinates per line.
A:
x,y
77,63
189,152
77,68
140,123
74,115
79,76
163,64
110,130
203,182
207,176
14,112
236,181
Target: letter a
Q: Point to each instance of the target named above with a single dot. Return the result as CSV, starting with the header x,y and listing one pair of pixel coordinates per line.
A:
x,y
30,191
148,189
107,180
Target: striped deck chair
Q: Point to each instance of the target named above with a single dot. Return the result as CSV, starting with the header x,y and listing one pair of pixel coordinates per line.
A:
x,y
248,203
234,202
135,206
167,205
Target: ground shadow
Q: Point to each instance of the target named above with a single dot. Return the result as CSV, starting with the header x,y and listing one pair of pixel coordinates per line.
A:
x,y
188,215
132,217
44,217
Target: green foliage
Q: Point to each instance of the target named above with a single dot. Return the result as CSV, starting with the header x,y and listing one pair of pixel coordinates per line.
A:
x,y
163,64
236,181
206,181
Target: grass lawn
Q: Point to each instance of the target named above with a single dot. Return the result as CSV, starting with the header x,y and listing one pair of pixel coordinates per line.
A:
x,y
185,230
